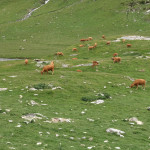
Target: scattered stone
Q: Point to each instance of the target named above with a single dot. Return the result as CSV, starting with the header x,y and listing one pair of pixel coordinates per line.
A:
x,y
7,110
57,120
72,138
38,143
148,108
19,125
106,141
44,104
118,132
20,96
89,64
12,76
48,133
32,102
3,89
98,101
32,89
91,139
90,147
33,117
65,65
92,120
54,88
134,119
73,54
132,79
10,121
117,147
83,112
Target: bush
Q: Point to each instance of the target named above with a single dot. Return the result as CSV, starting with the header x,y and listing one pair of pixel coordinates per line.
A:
x,y
41,86
92,98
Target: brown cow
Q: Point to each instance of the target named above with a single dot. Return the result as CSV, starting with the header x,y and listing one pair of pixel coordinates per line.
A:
x,y
115,54
60,53
48,68
138,82
129,45
116,59
26,61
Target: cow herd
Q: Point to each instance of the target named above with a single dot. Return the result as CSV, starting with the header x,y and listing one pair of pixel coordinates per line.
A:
x,y
115,59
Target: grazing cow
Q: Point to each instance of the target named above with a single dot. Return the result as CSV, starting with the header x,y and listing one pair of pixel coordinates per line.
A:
x,y
90,38
115,54
138,82
116,59
79,70
81,45
74,58
48,68
90,47
83,40
95,63
26,61
74,49
60,53
129,45
103,36
95,45
108,42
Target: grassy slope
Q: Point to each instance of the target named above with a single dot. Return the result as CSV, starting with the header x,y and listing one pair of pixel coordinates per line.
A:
x,y
48,31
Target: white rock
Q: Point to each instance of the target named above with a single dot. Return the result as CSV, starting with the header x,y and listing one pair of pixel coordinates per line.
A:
x,y
98,101
18,126
92,120
3,89
7,110
10,120
48,132
38,143
20,96
32,102
32,89
82,112
117,147
72,138
118,132
12,76
106,141
134,119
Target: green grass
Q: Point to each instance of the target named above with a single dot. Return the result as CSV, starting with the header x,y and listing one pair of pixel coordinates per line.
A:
x,y
59,26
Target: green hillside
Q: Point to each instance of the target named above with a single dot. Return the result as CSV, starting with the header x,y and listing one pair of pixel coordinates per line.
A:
x,y
45,99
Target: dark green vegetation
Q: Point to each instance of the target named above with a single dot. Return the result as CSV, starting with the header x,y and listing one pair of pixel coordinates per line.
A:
x,y
59,26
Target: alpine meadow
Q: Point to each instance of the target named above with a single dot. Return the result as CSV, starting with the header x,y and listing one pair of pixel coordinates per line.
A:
x,y
74,74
